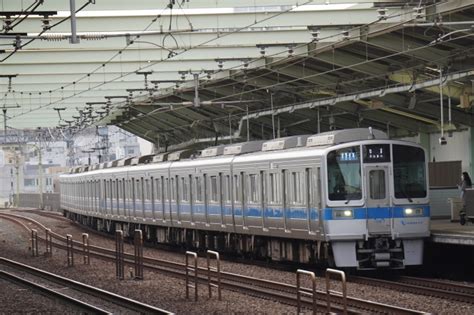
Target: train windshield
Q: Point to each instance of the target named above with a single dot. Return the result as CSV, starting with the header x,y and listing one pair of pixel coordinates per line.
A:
x,y
344,180
409,172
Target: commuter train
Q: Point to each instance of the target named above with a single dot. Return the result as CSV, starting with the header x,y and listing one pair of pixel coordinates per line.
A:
x,y
345,198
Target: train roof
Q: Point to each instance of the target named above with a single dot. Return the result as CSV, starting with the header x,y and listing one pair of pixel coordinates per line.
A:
x,y
347,135
239,152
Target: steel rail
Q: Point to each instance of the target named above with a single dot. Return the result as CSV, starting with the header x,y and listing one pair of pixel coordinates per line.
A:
x,y
76,303
455,287
427,287
49,214
85,288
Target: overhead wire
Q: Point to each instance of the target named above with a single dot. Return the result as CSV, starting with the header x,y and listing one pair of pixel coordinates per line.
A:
x,y
22,11
28,13
168,58
44,31
153,63
278,107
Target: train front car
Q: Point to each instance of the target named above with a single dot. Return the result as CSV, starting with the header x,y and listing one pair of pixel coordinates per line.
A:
x,y
377,212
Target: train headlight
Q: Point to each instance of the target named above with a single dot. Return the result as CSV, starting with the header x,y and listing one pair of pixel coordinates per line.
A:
x,y
343,214
413,212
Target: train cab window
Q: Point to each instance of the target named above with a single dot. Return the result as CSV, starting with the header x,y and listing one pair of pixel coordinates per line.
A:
x,y
344,174
409,172
198,189
253,188
213,192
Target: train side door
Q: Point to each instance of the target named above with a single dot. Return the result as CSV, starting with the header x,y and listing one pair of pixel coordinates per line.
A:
x,y
378,199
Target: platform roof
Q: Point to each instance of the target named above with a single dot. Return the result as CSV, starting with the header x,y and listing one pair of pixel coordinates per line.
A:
x,y
260,68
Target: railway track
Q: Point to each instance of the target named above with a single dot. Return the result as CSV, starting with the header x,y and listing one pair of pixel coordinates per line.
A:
x,y
77,293
427,287
276,291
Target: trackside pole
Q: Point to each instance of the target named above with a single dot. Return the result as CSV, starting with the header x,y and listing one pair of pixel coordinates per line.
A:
x,y
70,250
48,243
191,269
329,291
34,243
300,291
217,270
85,249
138,241
119,264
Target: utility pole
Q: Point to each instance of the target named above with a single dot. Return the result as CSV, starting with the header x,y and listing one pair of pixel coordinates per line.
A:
x,y
40,175
4,125
17,166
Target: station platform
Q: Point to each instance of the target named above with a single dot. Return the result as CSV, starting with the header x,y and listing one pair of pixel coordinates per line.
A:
x,y
447,232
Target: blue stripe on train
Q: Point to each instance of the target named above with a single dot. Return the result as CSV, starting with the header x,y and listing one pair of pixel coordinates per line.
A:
x,y
276,212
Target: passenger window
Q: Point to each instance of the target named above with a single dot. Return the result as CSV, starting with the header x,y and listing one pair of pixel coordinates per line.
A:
x,y
167,191
253,189
205,189
296,186
138,190
146,187
309,187
117,192
105,192
226,189
158,189
184,189
112,192
274,189
263,188
214,193
198,189
237,189
152,190
173,190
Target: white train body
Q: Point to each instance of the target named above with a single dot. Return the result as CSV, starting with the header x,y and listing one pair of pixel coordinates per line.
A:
x,y
350,197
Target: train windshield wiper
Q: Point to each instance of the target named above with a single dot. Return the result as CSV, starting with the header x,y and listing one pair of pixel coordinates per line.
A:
x,y
405,194
351,197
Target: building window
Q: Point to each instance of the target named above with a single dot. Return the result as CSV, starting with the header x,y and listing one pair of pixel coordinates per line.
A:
x,y
29,182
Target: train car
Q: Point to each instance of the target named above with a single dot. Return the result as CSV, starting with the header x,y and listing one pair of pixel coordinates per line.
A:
x,y
349,198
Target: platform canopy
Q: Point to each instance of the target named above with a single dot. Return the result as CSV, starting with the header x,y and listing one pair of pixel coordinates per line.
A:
x,y
198,71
